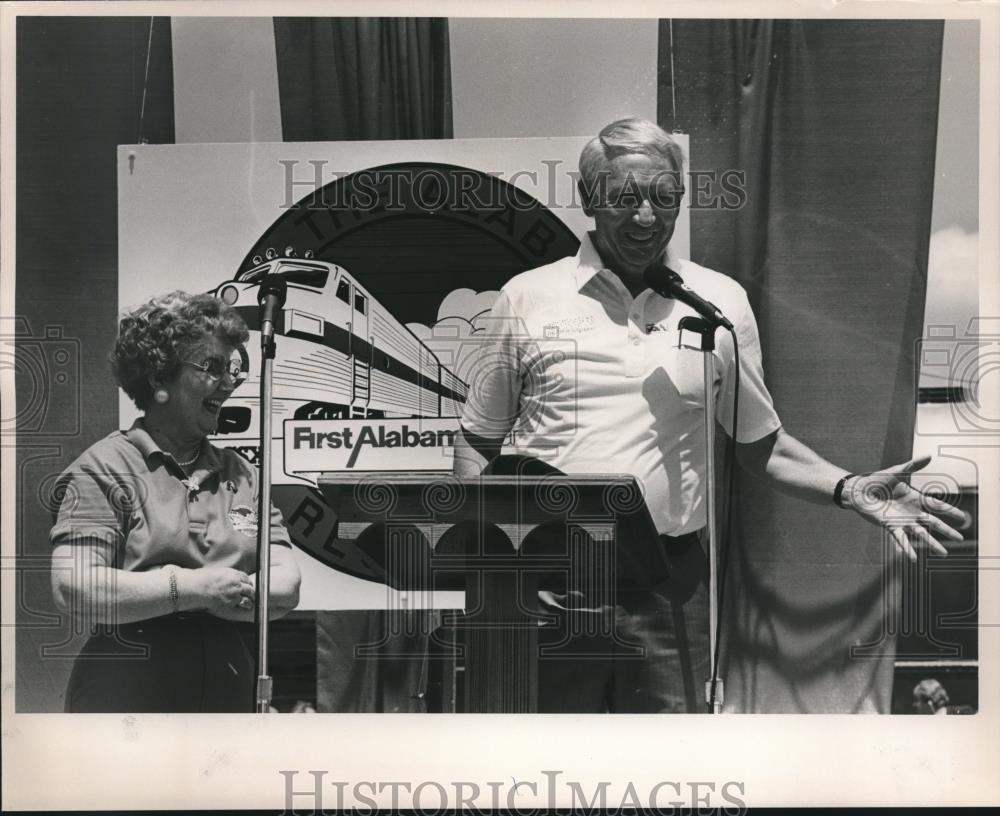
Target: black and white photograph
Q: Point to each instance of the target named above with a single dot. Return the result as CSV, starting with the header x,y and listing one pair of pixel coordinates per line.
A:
x,y
499,369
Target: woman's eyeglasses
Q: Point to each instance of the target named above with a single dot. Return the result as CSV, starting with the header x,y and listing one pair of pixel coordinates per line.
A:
x,y
215,368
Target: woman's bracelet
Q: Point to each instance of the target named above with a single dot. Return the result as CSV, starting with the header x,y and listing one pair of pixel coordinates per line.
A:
x,y
174,595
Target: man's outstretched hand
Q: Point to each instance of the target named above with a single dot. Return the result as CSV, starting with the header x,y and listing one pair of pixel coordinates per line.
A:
x,y
886,498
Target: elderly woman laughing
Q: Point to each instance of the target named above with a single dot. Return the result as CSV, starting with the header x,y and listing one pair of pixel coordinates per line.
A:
x,y
155,536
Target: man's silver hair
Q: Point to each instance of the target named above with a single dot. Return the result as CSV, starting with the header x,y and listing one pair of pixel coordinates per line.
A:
x,y
624,137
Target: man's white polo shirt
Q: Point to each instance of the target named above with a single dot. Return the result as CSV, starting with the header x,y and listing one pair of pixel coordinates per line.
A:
x,y
593,381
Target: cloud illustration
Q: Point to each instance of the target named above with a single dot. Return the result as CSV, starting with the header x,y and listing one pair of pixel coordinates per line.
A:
x,y
453,337
466,303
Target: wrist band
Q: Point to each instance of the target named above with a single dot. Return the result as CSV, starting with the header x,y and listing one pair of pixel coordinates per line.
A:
x,y
174,596
838,491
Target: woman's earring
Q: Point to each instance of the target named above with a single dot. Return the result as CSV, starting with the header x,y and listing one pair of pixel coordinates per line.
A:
x,y
162,396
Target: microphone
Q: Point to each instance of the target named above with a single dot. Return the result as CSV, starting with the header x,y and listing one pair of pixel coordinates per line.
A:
x,y
271,297
669,284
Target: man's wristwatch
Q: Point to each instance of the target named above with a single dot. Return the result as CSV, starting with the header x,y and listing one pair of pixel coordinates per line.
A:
x,y
838,491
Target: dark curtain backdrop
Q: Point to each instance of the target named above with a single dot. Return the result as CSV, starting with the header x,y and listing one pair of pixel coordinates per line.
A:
x,y
834,124
80,84
356,79
363,78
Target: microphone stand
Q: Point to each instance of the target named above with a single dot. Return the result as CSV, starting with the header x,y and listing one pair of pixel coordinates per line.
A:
x,y
706,330
271,297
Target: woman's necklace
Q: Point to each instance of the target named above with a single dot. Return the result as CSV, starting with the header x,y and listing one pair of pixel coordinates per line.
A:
x,y
190,483
190,461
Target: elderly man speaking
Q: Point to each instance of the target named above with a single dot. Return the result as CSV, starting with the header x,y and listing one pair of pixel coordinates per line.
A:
x,y
626,399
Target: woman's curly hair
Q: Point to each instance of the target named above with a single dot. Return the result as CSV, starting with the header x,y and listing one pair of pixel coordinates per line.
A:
x,y
153,339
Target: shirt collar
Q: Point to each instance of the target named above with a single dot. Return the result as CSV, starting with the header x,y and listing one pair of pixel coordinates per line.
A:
x,y
143,441
589,261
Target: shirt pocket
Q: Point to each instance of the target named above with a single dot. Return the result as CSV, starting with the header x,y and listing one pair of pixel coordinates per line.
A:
x,y
683,366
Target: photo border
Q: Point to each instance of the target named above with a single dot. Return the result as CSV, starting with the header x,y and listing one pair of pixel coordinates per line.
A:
x,y
55,761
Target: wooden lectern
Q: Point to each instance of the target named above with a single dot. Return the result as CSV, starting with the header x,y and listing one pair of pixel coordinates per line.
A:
x,y
501,539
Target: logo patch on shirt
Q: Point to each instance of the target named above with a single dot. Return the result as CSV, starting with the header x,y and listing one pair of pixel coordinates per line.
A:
x,y
569,325
244,520
655,327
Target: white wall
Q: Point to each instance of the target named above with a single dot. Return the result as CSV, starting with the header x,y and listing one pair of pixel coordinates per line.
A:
x,y
544,77
225,80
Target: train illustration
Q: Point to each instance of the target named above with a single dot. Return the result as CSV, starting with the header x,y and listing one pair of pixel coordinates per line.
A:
x,y
340,353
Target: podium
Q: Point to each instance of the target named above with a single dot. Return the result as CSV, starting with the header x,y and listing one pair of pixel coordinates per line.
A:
x,y
501,539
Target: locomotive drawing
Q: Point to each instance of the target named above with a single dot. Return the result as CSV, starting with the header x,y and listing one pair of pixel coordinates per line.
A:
x,y
340,353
